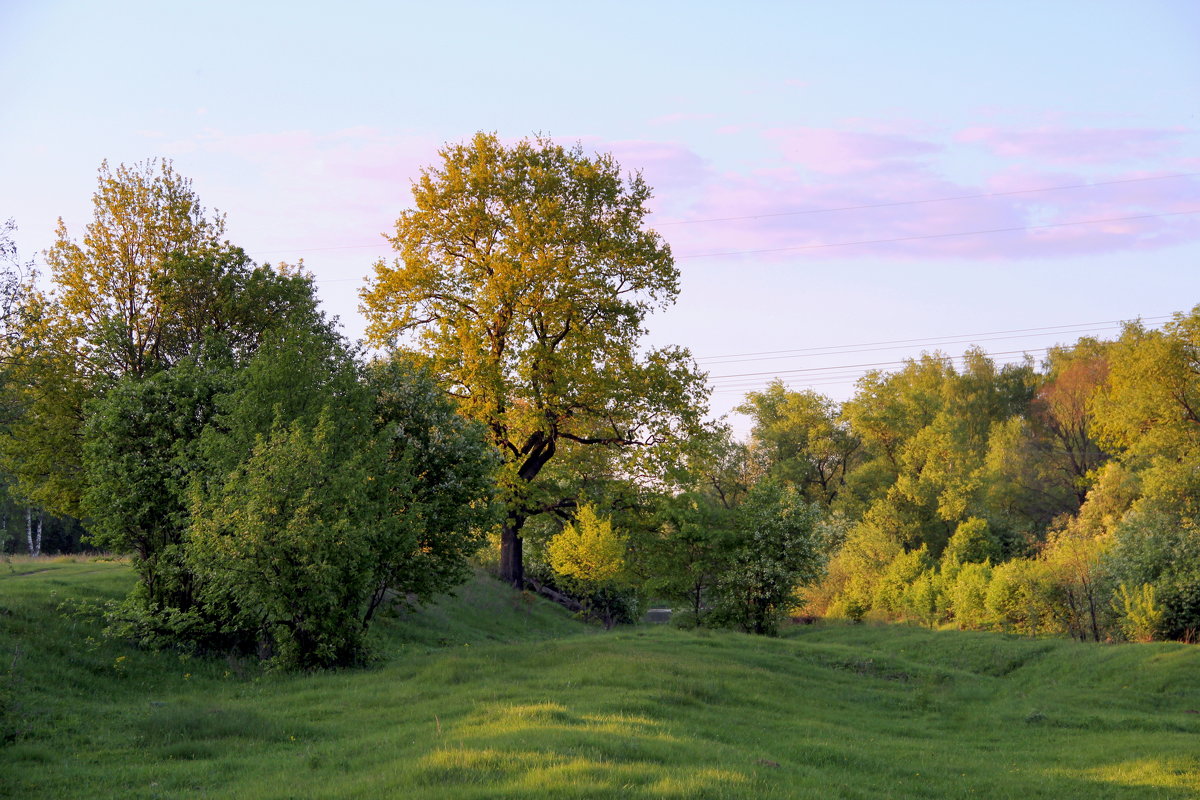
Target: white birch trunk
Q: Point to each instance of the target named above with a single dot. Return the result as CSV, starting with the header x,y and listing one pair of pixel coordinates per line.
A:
x,y
35,544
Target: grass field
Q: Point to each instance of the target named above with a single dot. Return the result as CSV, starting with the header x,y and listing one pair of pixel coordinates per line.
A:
x,y
494,694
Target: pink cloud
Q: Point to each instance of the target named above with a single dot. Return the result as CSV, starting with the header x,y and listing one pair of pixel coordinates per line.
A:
x,y
838,152
674,171
808,193
902,208
1087,145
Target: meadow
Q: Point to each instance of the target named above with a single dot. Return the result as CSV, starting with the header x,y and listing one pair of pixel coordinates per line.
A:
x,y
494,693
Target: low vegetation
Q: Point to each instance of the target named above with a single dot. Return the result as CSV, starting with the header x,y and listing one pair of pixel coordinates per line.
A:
x,y
498,694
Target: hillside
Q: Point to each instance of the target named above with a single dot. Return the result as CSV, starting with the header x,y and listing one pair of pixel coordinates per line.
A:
x,y
495,694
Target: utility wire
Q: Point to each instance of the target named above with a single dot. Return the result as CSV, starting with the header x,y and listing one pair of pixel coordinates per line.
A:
x,y
966,340
870,365
931,339
839,374
840,379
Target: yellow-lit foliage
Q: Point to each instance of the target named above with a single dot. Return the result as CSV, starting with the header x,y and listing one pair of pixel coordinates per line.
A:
x,y
524,275
588,550
104,286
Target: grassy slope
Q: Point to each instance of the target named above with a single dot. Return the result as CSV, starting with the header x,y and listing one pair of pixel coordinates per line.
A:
x,y
495,695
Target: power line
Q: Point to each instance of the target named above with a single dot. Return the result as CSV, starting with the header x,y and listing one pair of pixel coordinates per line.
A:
x,y
870,365
933,339
838,374
895,203
937,235
968,339
836,379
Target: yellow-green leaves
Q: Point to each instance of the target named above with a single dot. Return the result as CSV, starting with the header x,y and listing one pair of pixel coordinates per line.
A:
x,y
104,293
588,550
524,275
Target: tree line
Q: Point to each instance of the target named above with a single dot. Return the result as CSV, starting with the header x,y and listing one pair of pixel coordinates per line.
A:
x,y
1059,497
277,487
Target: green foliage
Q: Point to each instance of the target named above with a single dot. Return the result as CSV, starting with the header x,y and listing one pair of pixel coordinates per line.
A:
x,y
798,440
524,278
1018,597
588,556
141,452
149,285
1023,484
896,578
923,599
972,542
1148,412
683,556
855,570
588,550
273,492
286,537
360,488
1142,616
1156,548
106,287
966,594
441,472
218,295
776,550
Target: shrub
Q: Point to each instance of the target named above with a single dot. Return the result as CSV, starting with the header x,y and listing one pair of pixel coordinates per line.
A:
x,y
967,595
1141,614
777,549
897,577
972,542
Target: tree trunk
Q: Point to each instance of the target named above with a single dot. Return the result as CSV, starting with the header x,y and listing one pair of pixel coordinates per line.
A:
x,y
512,566
1092,610
34,550
567,602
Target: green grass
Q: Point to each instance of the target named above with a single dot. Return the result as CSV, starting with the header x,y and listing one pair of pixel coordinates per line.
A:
x,y
495,694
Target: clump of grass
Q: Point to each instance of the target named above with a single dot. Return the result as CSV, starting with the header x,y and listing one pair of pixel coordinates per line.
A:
x,y
169,724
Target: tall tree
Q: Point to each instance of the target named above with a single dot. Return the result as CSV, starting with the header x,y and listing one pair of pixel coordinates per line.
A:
x,y
1148,414
799,440
525,275
15,277
1149,411
103,319
105,284
1060,408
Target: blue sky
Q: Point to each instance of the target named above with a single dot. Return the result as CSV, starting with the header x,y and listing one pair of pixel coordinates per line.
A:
x,y
1057,126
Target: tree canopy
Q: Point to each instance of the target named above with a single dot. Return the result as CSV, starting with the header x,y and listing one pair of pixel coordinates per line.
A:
x,y
524,277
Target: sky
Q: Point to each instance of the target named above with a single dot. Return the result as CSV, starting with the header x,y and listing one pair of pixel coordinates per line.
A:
x,y
843,185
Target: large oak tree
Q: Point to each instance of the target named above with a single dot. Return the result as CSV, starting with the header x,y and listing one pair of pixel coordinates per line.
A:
x,y
525,275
